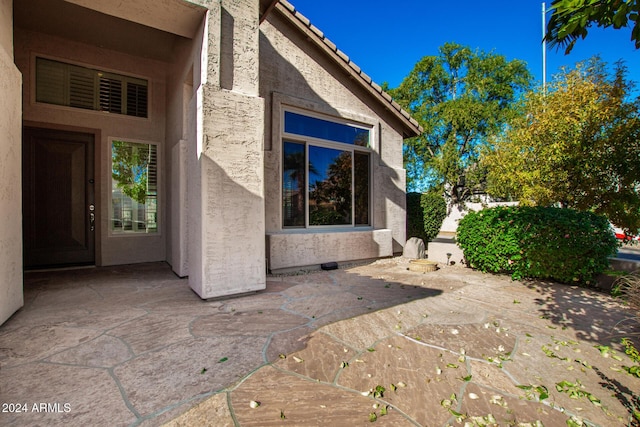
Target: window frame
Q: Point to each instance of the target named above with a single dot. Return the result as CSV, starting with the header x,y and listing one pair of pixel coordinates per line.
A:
x,y
308,141
124,78
159,217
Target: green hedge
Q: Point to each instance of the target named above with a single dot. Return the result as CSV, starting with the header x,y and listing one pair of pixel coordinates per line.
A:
x,y
537,242
425,213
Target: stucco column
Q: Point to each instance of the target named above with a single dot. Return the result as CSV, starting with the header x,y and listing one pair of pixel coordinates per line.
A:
x,y
226,223
11,298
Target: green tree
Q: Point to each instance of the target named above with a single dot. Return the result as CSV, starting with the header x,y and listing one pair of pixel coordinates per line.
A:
x,y
460,98
571,19
578,146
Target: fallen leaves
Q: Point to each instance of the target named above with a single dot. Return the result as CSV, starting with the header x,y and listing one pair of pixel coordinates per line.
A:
x,y
531,390
378,392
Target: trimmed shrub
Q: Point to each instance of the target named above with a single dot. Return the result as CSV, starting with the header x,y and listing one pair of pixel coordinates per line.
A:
x,y
415,215
563,245
435,211
425,213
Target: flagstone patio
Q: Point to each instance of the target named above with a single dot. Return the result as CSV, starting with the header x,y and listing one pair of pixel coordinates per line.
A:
x,y
133,345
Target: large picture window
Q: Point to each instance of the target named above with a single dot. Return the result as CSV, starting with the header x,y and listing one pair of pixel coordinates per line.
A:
x,y
326,173
134,187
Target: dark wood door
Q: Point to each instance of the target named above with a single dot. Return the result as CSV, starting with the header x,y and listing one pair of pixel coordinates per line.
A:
x,y
58,198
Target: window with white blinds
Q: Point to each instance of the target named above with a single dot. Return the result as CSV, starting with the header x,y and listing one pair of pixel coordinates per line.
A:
x,y
70,85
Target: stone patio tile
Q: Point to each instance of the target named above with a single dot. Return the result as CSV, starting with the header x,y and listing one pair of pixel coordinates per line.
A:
x,y
287,342
154,271
103,351
592,316
153,331
356,333
257,302
504,290
42,342
189,304
68,295
91,394
478,404
400,318
165,415
392,320
178,372
353,277
277,285
212,412
139,294
547,361
28,317
101,317
259,322
319,305
96,316
313,277
321,360
303,402
345,313
450,309
42,281
413,369
308,289
389,293
477,340
492,377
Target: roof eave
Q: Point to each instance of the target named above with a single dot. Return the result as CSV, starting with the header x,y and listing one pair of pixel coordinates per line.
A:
x,y
412,127
265,8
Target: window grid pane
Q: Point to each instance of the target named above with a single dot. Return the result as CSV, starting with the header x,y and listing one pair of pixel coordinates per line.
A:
x,y
294,185
50,82
110,95
330,179
361,187
136,100
134,194
331,131
79,87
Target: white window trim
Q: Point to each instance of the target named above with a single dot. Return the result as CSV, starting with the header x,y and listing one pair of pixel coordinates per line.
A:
x,y
159,199
306,140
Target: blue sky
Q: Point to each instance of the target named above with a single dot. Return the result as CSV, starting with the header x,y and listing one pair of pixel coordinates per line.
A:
x,y
387,37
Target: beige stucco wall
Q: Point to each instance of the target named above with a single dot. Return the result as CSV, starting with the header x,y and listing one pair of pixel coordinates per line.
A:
x,y
6,27
10,172
110,248
225,177
181,126
294,73
304,249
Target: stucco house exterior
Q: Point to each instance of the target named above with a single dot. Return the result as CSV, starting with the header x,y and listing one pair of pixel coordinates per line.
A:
x,y
228,138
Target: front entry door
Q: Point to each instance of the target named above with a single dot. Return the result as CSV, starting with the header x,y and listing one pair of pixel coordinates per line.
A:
x,y
58,198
